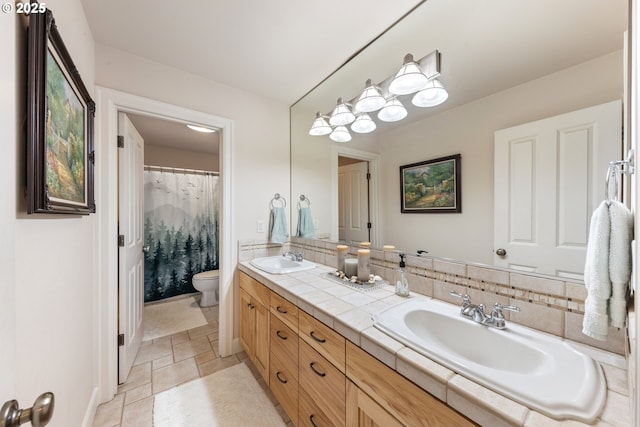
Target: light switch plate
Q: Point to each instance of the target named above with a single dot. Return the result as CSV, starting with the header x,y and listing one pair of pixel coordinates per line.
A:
x,y
260,226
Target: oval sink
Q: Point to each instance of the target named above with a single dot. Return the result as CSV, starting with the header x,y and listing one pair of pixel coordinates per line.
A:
x,y
281,265
538,370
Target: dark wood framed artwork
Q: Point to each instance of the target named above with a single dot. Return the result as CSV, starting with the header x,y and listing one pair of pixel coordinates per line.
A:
x,y
432,186
60,114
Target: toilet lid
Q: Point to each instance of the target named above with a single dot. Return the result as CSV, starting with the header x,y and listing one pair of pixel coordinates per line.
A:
x,y
207,274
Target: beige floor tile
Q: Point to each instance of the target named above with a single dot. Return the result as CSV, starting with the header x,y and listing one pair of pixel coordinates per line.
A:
x,y
217,365
206,357
202,331
173,375
162,362
139,375
138,414
137,393
179,337
191,348
108,414
153,351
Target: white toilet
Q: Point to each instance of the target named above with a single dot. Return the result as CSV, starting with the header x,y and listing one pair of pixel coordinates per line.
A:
x,y
207,282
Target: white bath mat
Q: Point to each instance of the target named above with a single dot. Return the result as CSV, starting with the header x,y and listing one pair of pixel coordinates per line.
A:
x,y
231,397
168,318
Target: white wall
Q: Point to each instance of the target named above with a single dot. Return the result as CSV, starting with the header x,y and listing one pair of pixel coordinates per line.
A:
x,y
9,124
47,260
469,130
155,155
261,127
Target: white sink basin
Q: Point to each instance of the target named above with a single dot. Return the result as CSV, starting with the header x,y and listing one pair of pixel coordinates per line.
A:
x,y
535,369
281,265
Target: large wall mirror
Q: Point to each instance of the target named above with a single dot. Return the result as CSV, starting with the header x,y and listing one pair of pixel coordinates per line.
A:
x,y
504,63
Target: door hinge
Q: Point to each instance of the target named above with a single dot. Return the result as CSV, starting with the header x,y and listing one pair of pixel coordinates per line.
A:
x,y
121,240
369,225
368,176
120,141
120,340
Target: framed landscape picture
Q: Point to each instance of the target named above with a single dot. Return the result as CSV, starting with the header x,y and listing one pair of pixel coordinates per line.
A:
x,y
432,186
60,114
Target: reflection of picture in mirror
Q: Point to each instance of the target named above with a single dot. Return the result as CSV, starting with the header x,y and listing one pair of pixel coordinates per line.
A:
x,y
431,186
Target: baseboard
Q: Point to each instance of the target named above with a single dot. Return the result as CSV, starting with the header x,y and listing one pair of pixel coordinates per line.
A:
x,y
90,413
236,346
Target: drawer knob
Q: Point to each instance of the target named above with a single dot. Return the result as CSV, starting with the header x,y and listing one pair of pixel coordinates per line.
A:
x,y
313,423
318,373
320,340
280,310
279,334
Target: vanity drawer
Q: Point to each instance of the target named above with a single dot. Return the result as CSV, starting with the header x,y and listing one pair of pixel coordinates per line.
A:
x,y
284,343
254,288
325,340
283,382
324,383
309,415
285,310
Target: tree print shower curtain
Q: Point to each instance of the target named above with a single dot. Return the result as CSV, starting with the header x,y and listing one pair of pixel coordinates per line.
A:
x,y
180,229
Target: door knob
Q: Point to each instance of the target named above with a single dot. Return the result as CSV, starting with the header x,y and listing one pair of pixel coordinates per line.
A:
x,y
501,252
39,414
146,249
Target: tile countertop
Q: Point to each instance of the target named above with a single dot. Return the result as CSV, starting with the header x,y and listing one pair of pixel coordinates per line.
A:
x,y
349,311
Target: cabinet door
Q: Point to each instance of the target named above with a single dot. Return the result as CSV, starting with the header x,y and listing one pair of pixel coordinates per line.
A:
x,y
261,334
363,411
247,320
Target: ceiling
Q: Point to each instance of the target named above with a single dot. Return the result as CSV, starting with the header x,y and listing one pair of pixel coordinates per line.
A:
x,y
281,49
294,45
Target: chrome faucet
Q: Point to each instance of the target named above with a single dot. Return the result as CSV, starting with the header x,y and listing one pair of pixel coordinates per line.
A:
x,y
293,255
478,315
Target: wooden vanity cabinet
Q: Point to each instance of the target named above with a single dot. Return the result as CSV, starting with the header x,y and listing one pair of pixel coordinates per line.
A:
x,y
283,379
254,322
383,395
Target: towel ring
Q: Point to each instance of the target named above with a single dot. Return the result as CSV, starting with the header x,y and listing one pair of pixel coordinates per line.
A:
x,y
303,199
279,198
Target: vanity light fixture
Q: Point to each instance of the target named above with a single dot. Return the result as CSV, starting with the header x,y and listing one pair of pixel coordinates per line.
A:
x,y
201,129
416,78
363,124
409,79
434,94
340,134
320,126
370,99
342,114
392,111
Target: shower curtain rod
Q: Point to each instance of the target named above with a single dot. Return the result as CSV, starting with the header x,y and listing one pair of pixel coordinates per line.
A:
x,y
179,170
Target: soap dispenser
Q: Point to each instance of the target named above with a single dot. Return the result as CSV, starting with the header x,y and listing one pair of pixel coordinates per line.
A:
x,y
402,285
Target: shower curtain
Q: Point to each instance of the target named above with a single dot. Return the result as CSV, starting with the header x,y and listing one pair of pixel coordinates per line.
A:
x,y
180,229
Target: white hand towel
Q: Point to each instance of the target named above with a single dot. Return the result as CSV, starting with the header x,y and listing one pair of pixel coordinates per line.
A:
x,y
621,220
596,275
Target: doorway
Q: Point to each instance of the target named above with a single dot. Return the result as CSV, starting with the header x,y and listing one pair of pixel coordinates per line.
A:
x,y
109,104
355,193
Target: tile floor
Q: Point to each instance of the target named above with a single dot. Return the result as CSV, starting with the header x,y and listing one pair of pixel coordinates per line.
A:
x,y
167,362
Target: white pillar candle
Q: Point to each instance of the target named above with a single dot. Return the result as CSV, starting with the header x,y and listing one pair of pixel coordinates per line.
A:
x,y
341,251
363,264
350,267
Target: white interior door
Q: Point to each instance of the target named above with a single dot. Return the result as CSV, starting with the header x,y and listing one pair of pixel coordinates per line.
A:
x,y
549,177
131,259
353,205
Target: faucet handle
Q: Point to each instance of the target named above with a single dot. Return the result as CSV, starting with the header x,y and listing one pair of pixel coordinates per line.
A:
x,y
497,309
466,299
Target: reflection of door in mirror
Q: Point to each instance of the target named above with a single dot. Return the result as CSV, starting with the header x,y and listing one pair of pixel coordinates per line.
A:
x,y
353,201
549,177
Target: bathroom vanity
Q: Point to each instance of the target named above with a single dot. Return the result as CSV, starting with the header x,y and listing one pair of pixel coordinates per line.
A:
x,y
327,365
